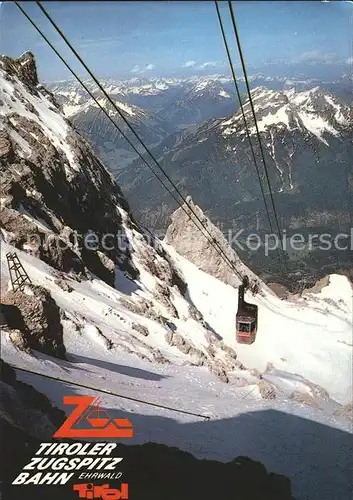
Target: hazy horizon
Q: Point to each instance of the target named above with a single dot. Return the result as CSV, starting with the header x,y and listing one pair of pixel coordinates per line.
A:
x,y
179,39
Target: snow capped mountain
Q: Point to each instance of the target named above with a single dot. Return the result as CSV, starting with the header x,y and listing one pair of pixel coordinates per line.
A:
x,y
179,102
201,100
88,118
147,93
306,137
136,317
139,86
154,87
183,101
70,95
21,107
91,112
312,112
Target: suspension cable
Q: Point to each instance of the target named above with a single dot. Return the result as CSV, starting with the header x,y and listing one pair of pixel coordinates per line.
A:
x,y
245,122
242,110
86,88
235,29
211,239
111,393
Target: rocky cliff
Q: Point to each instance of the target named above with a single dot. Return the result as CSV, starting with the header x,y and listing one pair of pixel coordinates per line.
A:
x,y
183,235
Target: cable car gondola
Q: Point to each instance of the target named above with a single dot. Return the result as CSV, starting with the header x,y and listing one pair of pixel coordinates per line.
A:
x,y
246,318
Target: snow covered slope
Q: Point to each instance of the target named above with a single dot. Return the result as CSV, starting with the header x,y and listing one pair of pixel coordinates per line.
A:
x,y
308,342
286,436
141,321
309,336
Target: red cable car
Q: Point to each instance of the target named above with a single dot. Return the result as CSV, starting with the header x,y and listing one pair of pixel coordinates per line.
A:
x,y
246,318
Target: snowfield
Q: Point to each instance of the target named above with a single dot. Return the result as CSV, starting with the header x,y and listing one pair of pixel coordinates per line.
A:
x,y
312,337
307,341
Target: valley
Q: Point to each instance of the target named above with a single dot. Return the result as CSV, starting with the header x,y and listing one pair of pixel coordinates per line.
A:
x,y
305,129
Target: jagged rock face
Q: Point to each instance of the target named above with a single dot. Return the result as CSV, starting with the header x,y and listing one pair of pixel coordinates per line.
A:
x,y
24,66
186,238
55,191
35,313
52,181
6,150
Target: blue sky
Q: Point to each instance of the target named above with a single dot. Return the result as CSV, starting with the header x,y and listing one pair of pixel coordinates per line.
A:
x,y
127,39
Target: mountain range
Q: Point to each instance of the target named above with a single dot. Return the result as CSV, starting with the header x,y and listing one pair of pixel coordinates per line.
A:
x,y
307,142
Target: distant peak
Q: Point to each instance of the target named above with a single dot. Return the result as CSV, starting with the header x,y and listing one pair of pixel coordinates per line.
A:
x,y
24,67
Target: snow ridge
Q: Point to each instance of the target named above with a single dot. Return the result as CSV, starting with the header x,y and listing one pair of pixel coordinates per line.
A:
x,y
292,110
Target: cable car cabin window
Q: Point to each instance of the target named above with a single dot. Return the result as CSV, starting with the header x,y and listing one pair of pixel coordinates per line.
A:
x,y
246,327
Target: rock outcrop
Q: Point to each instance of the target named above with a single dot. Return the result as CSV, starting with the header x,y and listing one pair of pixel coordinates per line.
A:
x,y
36,317
267,390
183,235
